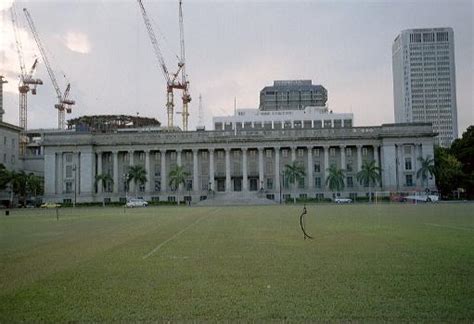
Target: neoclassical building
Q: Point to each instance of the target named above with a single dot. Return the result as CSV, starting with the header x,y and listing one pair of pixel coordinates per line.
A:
x,y
241,162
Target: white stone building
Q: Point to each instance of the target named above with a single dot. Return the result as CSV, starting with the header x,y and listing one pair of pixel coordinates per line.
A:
x,y
240,162
424,80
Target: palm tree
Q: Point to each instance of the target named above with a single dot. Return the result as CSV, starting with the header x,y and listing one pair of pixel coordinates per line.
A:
x,y
368,175
427,167
335,179
177,176
294,173
137,174
104,179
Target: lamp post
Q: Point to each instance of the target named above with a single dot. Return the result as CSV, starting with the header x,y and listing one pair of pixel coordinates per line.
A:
x,y
74,169
125,182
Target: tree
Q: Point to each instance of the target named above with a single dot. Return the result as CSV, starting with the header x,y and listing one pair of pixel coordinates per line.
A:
x,y
34,185
294,173
104,179
19,185
5,177
335,179
369,175
426,169
177,177
448,171
463,149
137,174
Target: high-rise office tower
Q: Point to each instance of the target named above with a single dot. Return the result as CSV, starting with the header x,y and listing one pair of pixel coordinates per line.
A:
x,y
424,80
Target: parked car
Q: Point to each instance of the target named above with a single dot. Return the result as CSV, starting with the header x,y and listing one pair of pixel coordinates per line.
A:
x,y
50,205
342,200
136,202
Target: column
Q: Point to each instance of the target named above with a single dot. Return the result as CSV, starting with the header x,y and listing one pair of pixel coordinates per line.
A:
x,y
211,169
195,171
148,172
244,170
310,167
227,170
377,163
131,187
293,154
376,155
99,172
277,168
260,168
326,162
343,160
359,158
49,172
164,184
178,163
116,175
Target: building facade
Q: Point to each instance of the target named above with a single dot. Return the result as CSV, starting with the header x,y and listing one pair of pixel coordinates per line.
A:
x,y
424,80
292,95
240,162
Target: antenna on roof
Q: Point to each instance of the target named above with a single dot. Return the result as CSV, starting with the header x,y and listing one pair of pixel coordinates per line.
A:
x,y
235,106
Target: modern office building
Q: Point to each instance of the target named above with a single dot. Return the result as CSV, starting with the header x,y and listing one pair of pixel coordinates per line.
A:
x,y
292,95
287,104
424,80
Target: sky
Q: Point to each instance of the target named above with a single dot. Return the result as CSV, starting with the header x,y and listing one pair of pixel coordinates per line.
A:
x,y
233,50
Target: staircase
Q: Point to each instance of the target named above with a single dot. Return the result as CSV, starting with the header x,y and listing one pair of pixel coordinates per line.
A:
x,y
236,199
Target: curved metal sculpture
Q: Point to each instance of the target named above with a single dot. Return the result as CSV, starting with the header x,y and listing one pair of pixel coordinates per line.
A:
x,y
306,235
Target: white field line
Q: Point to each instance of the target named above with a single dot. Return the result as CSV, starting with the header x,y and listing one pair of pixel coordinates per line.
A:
x,y
452,227
159,246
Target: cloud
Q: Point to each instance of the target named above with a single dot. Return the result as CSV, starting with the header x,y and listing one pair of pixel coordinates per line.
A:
x,y
78,42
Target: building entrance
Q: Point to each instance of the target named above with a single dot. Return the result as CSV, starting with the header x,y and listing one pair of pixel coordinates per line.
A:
x,y
253,184
220,185
237,184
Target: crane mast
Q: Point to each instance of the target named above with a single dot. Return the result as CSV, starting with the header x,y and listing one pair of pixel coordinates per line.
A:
x,y
64,104
184,82
171,79
26,83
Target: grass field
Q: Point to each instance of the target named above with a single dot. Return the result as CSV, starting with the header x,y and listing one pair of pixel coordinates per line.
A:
x,y
381,262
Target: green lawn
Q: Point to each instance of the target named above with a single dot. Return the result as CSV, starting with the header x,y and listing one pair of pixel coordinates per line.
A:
x,y
381,262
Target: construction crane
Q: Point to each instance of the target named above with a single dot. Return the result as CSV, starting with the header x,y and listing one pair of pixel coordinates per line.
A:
x,y
172,81
26,83
64,103
185,83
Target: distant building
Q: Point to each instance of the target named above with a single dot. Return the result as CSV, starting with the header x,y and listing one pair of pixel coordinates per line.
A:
x,y
424,80
287,104
292,95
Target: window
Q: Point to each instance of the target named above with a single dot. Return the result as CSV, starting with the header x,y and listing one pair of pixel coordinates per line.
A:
x,y
409,180
220,154
332,151
301,183
350,182
317,167
300,152
141,187
173,155
407,163
157,185
317,182
268,153
349,167
69,157
364,151
68,186
316,152
68,171
348,152
284,153
269,183
189,155
13,159
189,185
171,199
407,149
141,156
253,153
204,154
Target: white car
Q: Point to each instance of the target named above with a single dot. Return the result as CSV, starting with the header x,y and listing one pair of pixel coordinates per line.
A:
x,y
136,202
342,200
